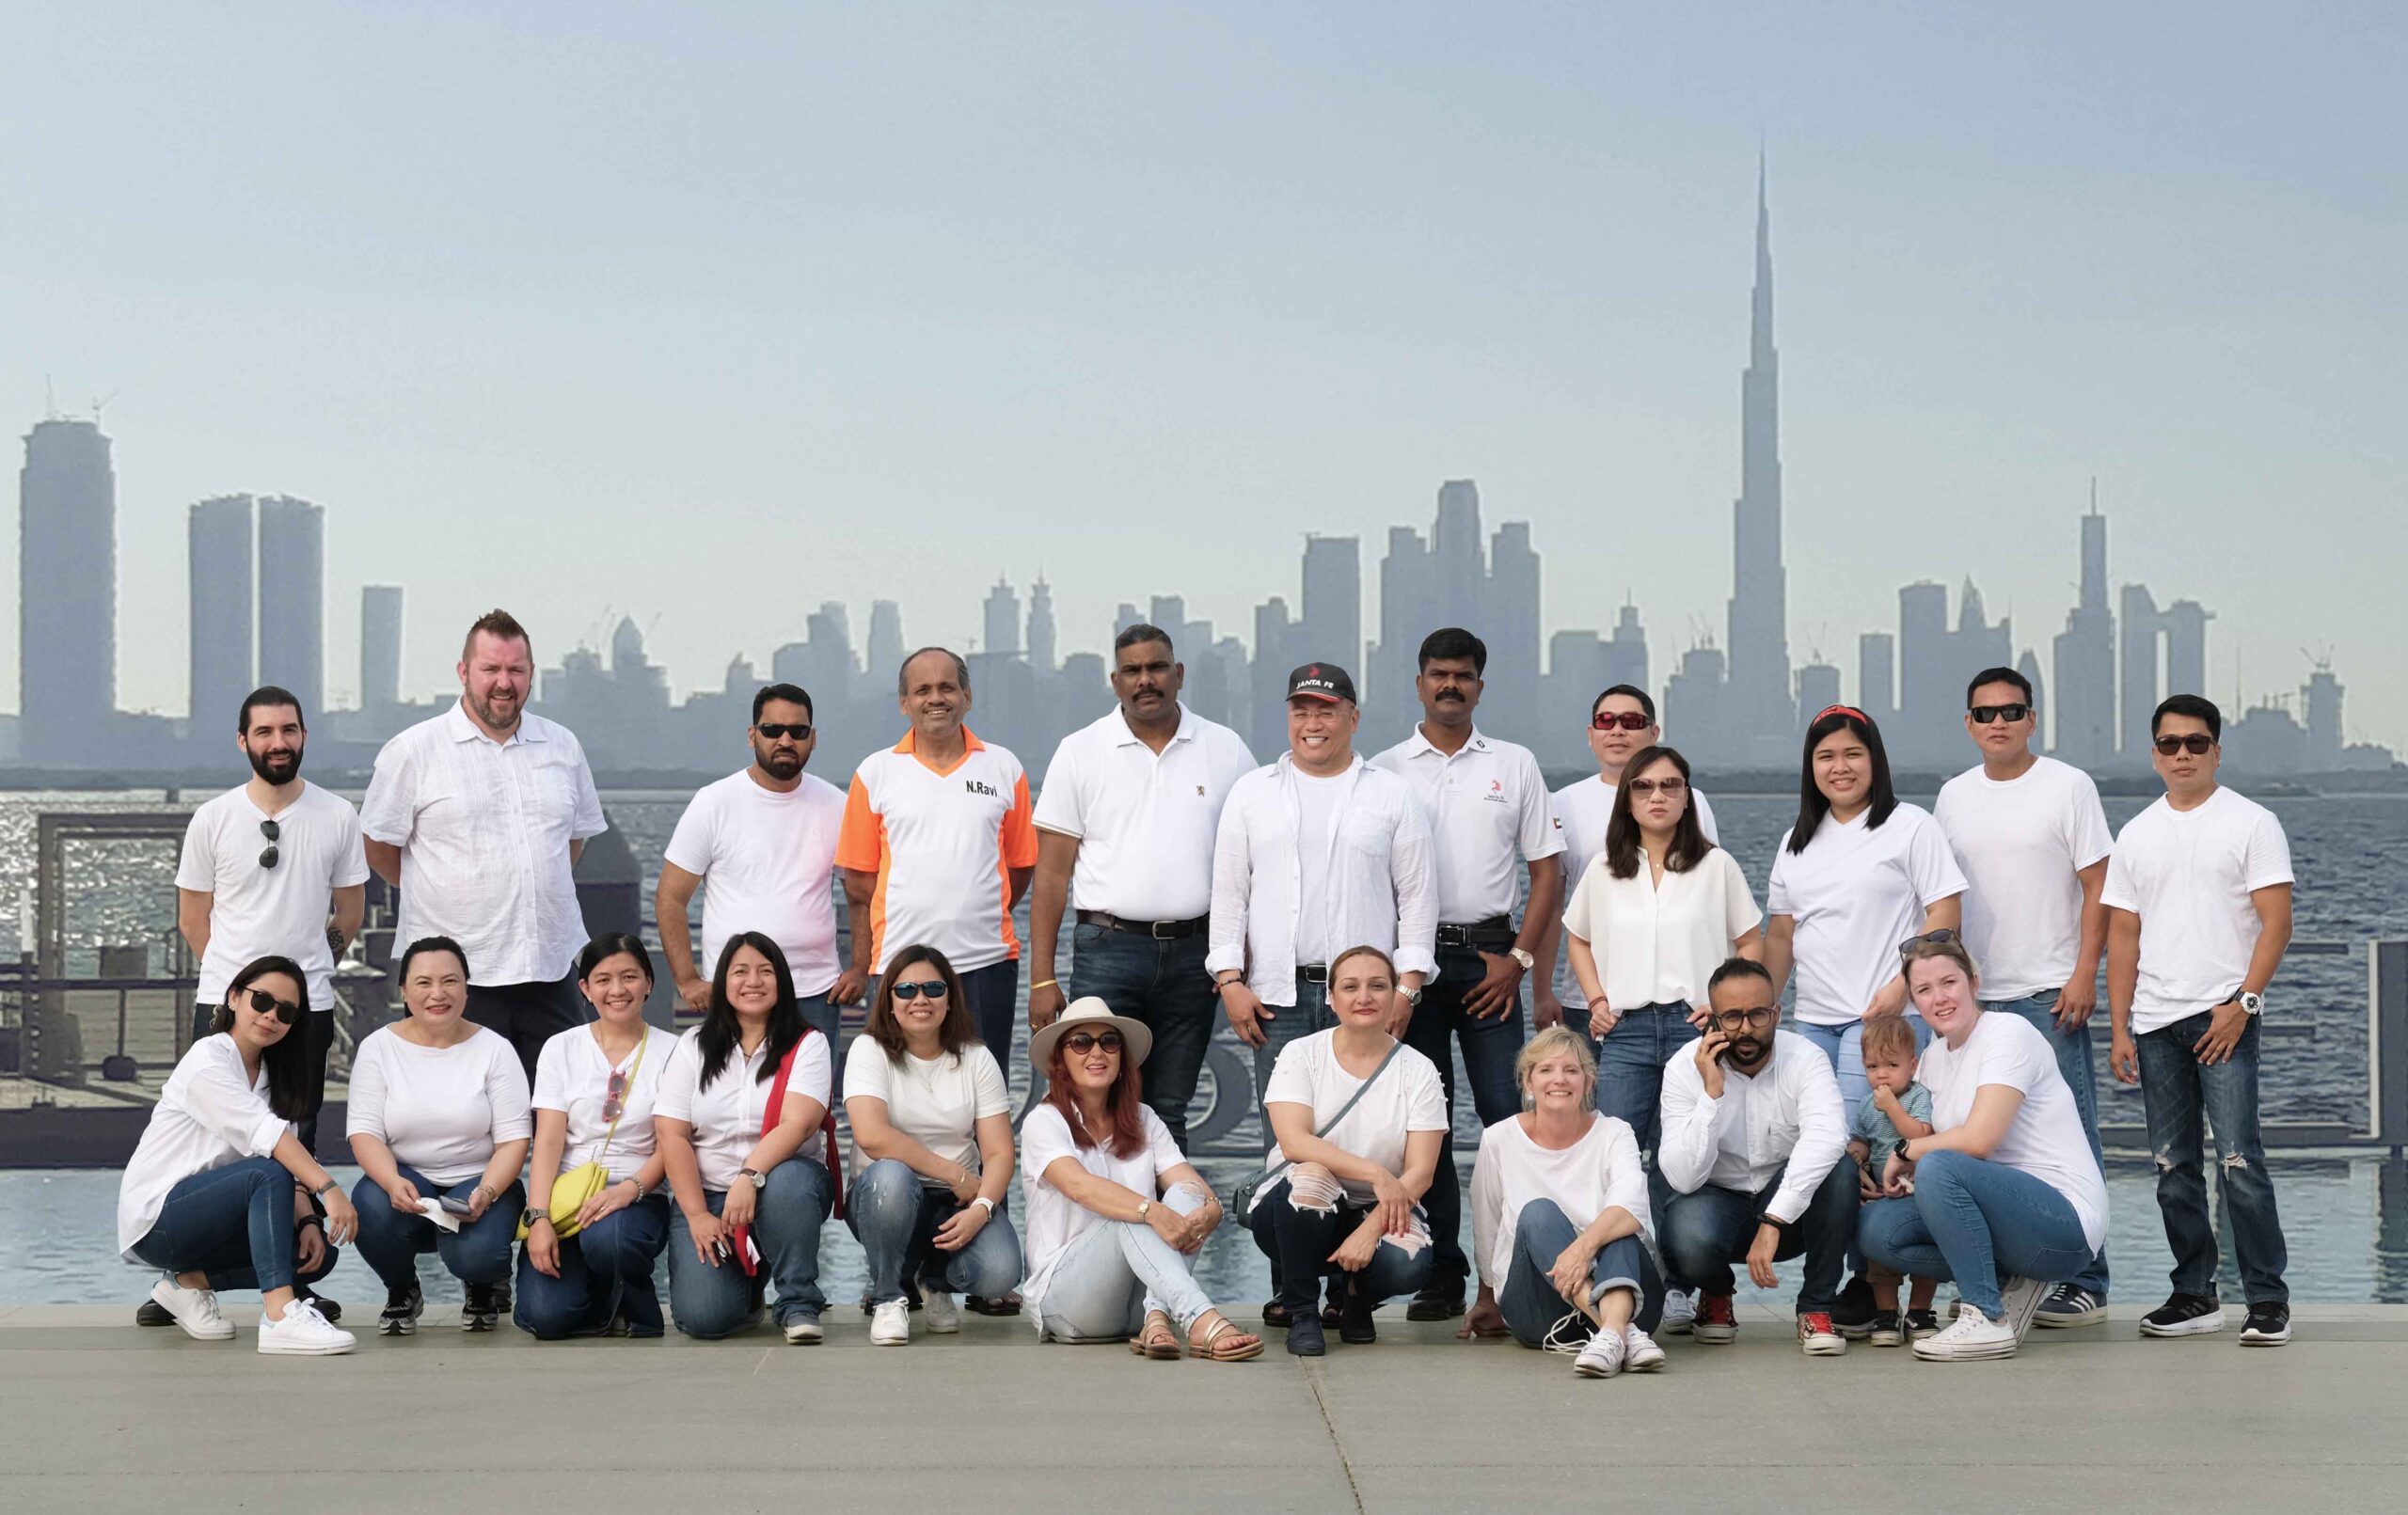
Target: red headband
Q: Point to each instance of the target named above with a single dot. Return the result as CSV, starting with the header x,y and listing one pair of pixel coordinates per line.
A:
x,y
1842,710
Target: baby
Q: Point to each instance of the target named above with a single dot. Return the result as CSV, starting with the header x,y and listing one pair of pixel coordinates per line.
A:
x,y
1898,1108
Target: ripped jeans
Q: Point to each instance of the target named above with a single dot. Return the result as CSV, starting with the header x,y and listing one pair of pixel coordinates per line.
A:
x,y
1303,1218
2178,1090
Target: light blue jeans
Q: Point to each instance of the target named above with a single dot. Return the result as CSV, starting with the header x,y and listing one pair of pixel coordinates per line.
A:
x,y
1110,1279
1844,1046
2074,1062
1976,1222
895,1218
708,1301
1529,1301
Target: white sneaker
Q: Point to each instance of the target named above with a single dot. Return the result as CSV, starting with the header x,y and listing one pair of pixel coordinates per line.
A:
x,y
1603,1357
303,1332
890,1324
1972,1336
1640,1352
1679,1313
941,1313
804,1331
194,1309
2021,1301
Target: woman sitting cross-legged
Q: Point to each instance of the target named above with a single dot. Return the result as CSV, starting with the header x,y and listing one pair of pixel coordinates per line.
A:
x,y
218,1194
1358,1116
742,1104
1115,1215
439,1124
1558,1203
594,1088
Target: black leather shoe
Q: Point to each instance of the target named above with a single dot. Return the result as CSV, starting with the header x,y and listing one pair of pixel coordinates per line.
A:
x,y
1274,1314
1305,1339
1442,1300
149,1313
1355,1327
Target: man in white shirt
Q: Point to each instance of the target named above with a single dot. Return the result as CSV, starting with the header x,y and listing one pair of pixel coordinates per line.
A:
x,y
1124,836
2199,912
1753,1134
478,816
2031,839
1622,725
1489,822
762,844
1315,854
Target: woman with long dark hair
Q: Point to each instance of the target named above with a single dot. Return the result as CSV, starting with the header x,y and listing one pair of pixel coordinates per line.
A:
x,y
1116,1214
743,1097
218,1193
932,1150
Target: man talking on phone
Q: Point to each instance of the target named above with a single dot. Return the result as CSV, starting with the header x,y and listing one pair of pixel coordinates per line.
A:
x,y
1754,1133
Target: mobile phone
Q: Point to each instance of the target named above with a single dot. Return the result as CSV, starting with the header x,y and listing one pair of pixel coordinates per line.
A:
x,y
454,1205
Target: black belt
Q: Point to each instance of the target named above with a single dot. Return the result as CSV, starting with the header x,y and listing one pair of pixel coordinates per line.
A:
x,y
1497,931
1159,930
1313,972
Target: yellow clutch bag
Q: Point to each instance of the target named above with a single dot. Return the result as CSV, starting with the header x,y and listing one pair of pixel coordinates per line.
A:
x,y
571,1189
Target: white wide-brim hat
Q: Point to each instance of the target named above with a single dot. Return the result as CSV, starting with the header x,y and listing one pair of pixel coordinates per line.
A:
x,y
1090,1014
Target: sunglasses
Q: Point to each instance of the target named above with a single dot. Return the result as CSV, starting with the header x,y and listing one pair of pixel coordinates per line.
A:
x,y
1940,938
1669,788
615,1100
1734,1019
1082,1042
800,731
1983,715
934,990
1629,720
2196,744
264,1004
274,833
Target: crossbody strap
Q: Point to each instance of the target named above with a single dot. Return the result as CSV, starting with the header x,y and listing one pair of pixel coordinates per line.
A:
x,y
1347,1109
633,1069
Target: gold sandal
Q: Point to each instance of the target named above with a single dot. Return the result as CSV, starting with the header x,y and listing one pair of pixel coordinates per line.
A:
x,y
1156,1339
1210,1349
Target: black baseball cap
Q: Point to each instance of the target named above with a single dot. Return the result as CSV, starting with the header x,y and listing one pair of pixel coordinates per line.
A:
x,y
1322,680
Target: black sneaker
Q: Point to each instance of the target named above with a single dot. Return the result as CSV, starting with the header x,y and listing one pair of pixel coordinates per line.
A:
x,y
2184,1314
1305,1337
1922,1323
150,1313
1354,1324
500,1298
482,1311
331,1309
1852,1312
1885,1330
1442,1300
2269,1325
1274,1314
402,1306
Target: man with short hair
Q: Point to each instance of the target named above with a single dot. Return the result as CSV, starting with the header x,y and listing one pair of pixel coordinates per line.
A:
x,y
2032,839
938,846
1125,826
478,815
2198,897
1753,1134
1489,821
762,846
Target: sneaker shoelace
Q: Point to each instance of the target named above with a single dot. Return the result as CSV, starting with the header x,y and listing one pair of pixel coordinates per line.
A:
x,y
1569,1335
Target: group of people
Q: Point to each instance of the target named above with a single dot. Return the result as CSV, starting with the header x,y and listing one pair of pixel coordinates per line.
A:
x,y
1932,1117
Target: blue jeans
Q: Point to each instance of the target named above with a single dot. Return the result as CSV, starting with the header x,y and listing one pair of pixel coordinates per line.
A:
x,y
1298,1241
1288,1023
1162,984
1529,1301
233,1223
2074,1063
817,1011
895,1218
391,1241
1630,1079
1490,1047
1976,1222
1844,1046
711,1301
605,1272
2177,1089
1705,1232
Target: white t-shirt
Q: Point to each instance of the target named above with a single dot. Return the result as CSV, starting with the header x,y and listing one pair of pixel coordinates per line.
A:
x,y
2188,875
2019,845
1408,1097
1145,822
937,1102
1055,1219
1658,943
442,1110
725,1113
1591,1175
254,911
208,1115
1317,802
1855,893
573,1076
765,860
1581,809
2046,1139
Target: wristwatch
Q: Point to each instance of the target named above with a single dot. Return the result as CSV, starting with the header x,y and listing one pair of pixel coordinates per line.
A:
x,y
985,1204
1413,998
1525,959
532,1216
1899,1147
759,1180
2251,1004
1145,1208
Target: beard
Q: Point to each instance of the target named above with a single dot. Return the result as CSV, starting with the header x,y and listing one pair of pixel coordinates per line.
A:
x,y
277,768
780,766
486,711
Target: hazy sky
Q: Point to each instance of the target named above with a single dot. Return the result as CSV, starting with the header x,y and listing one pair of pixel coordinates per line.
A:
x,y
712,313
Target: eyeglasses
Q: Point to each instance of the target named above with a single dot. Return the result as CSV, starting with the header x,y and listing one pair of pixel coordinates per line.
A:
x,y
1669,788
2196,744
274,833
1082,1042
1940,938
1758,1019
264,1004
800,731
1629,720
1983,715
934,989
615,1100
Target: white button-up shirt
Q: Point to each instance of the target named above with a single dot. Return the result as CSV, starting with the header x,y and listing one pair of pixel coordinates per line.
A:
x,y
1145,821
1488,813
484,829
1377,881
1788,1113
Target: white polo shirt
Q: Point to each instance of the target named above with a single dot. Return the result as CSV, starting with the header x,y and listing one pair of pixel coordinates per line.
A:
x,y
765,860
942,845
1488,815
1144,821
484,829
254,911
1371,872
1582,808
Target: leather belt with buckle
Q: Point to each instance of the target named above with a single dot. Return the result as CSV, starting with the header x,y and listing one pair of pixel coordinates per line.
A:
x,y
1497,931
1159,930
1313,972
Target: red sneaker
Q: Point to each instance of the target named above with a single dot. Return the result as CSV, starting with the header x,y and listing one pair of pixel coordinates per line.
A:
x,y
1816,1336
1717,1323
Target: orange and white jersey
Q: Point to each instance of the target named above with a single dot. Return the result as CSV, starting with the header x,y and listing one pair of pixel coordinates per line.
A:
x,y
942,844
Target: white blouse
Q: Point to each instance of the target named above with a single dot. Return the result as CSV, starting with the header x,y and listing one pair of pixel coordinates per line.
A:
x,y
1659,942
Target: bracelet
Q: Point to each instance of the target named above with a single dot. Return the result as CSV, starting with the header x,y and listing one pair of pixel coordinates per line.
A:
x,y
1597,1000
1046,984
640,1191
323,1190
308,1221
486,1189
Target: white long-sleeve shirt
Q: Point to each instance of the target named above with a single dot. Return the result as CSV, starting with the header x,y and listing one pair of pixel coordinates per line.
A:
x,y
209,1114
1374,872
1787,1112
1586,1178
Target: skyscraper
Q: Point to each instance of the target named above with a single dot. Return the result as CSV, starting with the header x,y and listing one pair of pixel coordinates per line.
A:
x,y
2140,625
885,642
218,560
1876,676
2084,658
1040,627
1002,622
2186,647
1508,624
1331,605
1923,672
380,646
1757,709
67,593
293,599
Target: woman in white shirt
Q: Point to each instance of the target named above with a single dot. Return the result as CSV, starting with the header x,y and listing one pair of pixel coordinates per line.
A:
x,y
2003,1196
741,1116
594,1088
1658,909
1345,1201
218,1193
438,1123
1558,1219
1115,1215
932,1150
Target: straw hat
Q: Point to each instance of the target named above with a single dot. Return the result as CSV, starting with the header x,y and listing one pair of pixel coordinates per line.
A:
x,y
1090,1014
